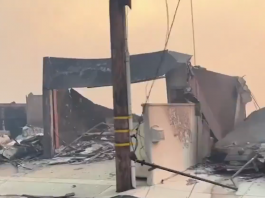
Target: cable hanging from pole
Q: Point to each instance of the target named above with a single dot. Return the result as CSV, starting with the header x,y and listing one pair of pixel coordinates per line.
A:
x,y
167,13
167,31
255,101
163,55
158,69
193,32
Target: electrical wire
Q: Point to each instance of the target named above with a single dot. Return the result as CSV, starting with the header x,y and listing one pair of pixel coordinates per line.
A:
x,y
156,76
167,31
167,13
255,101
193,32
256,107
162,56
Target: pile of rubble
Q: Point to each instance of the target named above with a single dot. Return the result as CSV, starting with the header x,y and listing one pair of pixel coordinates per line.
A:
x,y
90,147
25,146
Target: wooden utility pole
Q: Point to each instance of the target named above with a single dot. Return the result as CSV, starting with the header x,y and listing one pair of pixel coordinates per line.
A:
x,y
120,93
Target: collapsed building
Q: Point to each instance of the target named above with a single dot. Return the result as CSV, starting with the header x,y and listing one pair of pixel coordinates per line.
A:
x,y
75,115
218,101
203,106
205,113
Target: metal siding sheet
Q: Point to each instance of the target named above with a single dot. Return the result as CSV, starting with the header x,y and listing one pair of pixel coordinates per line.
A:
x,y
63,73
218,99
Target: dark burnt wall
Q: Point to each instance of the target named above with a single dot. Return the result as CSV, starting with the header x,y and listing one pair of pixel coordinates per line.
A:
x,y
77,114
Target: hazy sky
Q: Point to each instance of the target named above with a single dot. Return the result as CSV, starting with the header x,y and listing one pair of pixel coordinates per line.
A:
x,y
230,38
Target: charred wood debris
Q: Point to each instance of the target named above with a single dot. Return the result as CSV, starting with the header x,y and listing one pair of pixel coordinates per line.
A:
x,y
91,146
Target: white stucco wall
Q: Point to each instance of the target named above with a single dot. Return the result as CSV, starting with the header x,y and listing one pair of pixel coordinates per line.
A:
x,y
179,148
